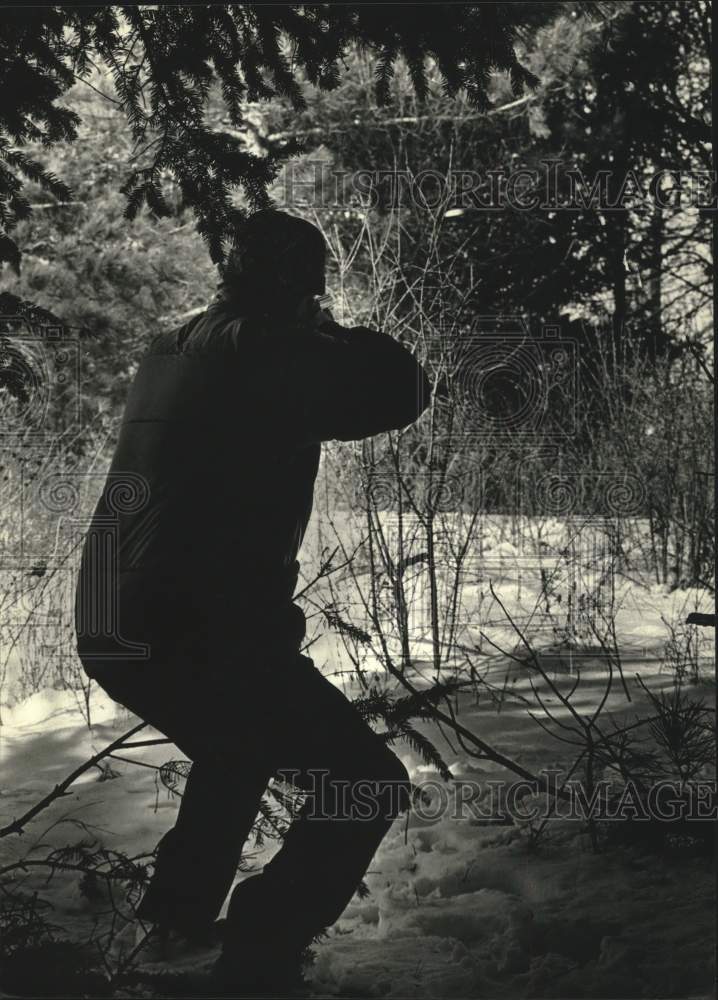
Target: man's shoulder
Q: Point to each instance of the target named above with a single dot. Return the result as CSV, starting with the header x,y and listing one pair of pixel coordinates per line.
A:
x,y
218,331
211,331
172,341
331,332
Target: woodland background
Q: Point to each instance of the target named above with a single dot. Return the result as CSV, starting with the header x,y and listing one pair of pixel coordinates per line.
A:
x,y
502,588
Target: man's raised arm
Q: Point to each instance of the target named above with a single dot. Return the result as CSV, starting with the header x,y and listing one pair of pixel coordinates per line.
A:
x,y
359,382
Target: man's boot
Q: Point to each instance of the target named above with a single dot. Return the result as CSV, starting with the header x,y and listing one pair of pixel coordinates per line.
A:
x,y
265,948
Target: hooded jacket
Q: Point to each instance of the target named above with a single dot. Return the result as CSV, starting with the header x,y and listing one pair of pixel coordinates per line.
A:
x,y
210,488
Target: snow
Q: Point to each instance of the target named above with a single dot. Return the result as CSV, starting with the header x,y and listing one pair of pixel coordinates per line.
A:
x,y
456,909
459,906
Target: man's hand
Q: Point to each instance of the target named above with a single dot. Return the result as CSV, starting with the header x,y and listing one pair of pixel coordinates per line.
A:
x,y
322,317
311,314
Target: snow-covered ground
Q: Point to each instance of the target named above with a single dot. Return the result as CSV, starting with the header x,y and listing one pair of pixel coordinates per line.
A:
x,y
459,905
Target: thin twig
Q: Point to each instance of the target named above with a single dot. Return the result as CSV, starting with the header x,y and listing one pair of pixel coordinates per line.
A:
x,y
18,825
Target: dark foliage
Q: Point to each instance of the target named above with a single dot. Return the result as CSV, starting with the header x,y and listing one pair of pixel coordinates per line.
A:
x,y
166,61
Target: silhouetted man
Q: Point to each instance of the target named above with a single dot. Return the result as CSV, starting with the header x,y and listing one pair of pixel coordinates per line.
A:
x,y
186,615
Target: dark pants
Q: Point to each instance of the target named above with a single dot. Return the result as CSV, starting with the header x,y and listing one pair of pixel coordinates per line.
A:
x,y
242,719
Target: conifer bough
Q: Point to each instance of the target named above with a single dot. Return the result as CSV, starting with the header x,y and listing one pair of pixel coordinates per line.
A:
x,y
166,60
